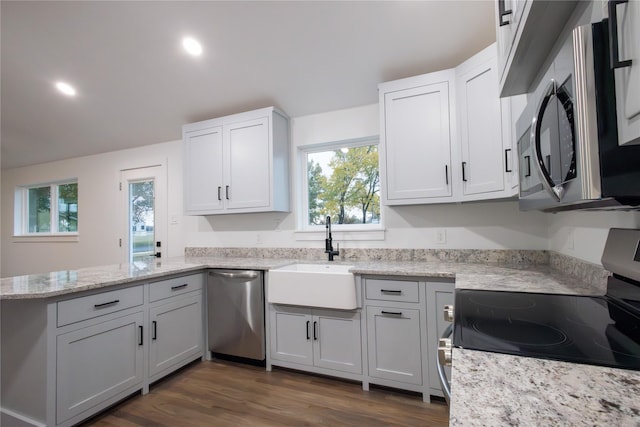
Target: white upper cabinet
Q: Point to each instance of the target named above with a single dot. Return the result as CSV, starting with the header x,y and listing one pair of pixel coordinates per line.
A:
x,y
508,15
415,141
203,164
526,31
447,136
237,164
484,123
479,118
247,152
627,75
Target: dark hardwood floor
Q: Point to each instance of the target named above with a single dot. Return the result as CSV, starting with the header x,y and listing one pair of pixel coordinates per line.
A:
x,y
222,393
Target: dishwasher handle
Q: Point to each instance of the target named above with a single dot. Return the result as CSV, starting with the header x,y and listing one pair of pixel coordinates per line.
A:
x,y
238,275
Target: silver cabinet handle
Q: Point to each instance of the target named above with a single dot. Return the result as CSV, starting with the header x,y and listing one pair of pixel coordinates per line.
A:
x,y
448,313
239,275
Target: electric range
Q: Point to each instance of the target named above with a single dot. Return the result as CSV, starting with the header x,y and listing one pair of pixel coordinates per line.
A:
x,y
597,330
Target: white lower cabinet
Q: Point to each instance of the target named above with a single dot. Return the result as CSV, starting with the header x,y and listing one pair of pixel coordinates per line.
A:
x,y
401,331
393,336
175,329
317,340
67,358
98,362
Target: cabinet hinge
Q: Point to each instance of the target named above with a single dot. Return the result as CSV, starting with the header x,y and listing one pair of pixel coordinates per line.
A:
x,y
120,186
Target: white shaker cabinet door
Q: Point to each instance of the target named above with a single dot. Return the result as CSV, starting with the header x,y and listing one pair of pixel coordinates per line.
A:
x,y
98,362
291,334
628,78
417,144
337,342
175,333
203,170
393,338
248,153
479,109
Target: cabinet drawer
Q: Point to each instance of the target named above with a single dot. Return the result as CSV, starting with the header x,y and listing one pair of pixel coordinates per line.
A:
x,y
176,286
83,308
392,290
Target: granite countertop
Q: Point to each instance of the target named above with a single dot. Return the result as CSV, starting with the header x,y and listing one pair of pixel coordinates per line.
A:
x,y
467,275
491,389
488,389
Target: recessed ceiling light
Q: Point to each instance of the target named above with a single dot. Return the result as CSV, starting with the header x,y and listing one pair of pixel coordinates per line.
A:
x,y
192,46
66,88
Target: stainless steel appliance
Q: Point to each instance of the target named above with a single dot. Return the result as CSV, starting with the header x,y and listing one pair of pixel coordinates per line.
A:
x,y
235,301
596,330
567,136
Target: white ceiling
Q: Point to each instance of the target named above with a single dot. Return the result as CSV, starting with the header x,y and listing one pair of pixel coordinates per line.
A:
x,y
137,87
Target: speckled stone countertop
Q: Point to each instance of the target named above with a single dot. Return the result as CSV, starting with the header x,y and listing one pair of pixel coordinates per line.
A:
x,y
490,389
467,275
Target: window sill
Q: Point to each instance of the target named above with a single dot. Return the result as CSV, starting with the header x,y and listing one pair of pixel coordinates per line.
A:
x,y
47,238
341,235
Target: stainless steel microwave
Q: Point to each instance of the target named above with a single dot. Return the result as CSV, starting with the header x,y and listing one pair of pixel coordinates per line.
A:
x,y
568,152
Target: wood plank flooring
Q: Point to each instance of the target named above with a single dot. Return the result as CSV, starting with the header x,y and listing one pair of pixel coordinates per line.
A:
x,y
221,393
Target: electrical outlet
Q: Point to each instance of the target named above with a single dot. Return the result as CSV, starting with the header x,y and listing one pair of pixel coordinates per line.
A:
x,y
570,241
441,236
259,238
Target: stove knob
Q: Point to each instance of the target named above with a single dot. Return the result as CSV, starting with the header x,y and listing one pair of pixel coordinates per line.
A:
x,y
448,313
444,351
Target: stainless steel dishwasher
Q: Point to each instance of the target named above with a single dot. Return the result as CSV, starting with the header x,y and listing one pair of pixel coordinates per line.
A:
x,y
235,311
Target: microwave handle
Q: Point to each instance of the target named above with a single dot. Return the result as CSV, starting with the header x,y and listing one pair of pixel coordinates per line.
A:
x,y
614,55
556,191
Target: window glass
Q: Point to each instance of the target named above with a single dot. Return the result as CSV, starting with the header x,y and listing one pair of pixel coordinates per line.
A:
x,y
39,210
343,183
47,209
68,208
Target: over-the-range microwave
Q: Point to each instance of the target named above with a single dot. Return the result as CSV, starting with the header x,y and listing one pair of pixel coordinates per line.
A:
x,y
568,148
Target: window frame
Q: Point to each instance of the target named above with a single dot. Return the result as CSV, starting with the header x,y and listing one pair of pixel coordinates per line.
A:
x,y
21,213
306,231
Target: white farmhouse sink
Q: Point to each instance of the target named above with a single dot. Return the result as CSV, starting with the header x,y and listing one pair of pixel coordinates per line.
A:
x,y
313,285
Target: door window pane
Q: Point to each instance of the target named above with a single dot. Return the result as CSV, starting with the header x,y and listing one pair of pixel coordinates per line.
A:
x,y
141,219
39,209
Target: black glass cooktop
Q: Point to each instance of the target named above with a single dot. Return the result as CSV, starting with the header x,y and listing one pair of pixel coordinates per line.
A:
x,y
582,329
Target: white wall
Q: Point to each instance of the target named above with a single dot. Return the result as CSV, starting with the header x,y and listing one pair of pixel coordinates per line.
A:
x,y
472,225
485,225
99,223
582,234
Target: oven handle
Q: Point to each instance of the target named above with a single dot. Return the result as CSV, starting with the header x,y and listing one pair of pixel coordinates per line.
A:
x,y
444,381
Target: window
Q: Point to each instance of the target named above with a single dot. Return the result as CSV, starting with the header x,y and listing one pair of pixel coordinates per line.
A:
x,y
47,209
341,181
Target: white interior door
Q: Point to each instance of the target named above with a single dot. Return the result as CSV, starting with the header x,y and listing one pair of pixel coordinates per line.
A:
x,y
144,210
